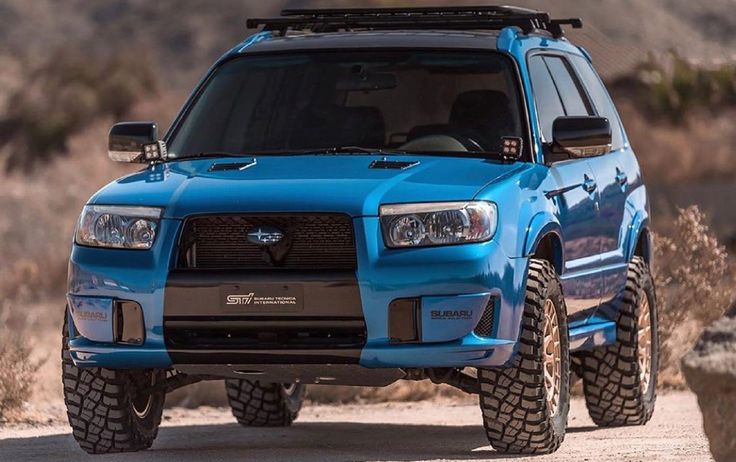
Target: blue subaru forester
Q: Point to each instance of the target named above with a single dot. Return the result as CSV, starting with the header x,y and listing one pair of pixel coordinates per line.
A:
x,y
363,196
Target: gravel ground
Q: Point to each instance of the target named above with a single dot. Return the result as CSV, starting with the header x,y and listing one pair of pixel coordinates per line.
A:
x,y
428,430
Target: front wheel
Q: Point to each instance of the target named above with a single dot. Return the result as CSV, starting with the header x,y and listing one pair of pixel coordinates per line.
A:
x,y
525,406
111,410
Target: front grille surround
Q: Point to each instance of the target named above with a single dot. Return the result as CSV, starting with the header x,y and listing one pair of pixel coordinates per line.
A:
x,y
316,241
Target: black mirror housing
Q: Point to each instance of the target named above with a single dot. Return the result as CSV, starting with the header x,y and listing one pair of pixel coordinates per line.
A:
x,y
135,142
575,137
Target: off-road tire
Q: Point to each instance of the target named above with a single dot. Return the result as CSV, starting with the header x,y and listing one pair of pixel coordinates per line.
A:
x,y
257,404
611,375
100,408
516,414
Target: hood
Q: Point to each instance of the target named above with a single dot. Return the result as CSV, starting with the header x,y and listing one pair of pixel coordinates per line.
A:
x,y
313,183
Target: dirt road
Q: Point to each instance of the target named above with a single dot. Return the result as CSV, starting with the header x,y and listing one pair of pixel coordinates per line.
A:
x,y
385,432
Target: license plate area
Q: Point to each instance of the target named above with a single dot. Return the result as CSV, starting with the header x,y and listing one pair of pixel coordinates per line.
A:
x,y
262,298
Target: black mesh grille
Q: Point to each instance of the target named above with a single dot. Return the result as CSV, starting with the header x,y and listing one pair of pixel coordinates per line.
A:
x,y
312,241
485,325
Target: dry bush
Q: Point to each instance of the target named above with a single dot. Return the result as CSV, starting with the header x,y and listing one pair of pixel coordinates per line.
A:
x,y
677,114
670,86
63,96
40,212
693,277
17,372
670,153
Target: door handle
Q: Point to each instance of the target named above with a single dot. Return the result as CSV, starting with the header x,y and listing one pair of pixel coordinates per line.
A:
x,y
589,184
621,177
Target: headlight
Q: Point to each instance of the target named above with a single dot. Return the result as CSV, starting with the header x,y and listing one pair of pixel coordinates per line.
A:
x,y
439,223
119,227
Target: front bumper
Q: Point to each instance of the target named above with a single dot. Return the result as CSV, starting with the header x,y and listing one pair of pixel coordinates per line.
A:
x,y
447,280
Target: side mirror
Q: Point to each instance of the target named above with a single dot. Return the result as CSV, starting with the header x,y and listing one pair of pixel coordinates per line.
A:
x,y
579,137
135,142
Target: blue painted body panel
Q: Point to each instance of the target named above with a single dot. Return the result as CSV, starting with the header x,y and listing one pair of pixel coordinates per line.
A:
x,y
597,232
465,309
92,317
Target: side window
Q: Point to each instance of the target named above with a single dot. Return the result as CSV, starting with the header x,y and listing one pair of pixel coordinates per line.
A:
x,y
601,99
570,89
546,98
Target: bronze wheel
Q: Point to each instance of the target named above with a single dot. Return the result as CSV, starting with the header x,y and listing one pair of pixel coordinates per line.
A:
x,y
644,347
552,356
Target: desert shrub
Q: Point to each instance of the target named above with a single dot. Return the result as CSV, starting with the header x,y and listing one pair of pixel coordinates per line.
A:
x,y
671,86
65,94
17,373
693,277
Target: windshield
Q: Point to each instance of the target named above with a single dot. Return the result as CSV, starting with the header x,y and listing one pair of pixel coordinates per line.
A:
x,y
417,101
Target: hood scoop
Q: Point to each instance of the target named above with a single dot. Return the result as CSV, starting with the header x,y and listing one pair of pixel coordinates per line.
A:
x,y
226,166
393,164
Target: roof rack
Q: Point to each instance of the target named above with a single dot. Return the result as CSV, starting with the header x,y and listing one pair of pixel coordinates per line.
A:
x,y
438,18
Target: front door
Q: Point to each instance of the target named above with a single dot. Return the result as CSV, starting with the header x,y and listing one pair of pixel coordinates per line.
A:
x,y
575,192
577,202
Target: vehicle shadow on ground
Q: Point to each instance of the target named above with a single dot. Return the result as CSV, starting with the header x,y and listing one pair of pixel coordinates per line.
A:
x,y
309,441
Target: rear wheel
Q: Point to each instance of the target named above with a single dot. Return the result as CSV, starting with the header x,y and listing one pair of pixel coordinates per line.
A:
x,y
620,381
256,404
525,406
111,410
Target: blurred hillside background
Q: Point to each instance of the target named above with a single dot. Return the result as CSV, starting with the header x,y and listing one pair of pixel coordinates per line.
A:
x,y
69,69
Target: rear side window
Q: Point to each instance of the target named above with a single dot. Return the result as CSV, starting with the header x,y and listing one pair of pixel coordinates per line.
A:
x,y
546,98
601,99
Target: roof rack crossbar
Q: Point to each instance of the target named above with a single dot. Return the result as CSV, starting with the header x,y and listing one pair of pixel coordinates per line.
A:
x,y
442,18
411,10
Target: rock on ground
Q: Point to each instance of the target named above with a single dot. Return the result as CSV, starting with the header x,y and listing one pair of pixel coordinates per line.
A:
x,y
710,371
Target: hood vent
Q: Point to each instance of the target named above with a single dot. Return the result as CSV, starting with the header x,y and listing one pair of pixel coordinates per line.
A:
x,y
225,166
393,164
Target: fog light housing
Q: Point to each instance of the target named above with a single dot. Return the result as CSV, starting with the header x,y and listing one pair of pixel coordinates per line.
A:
x,y
128,324
405,321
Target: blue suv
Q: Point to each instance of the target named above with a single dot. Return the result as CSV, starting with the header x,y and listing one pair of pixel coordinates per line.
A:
x,y
363,196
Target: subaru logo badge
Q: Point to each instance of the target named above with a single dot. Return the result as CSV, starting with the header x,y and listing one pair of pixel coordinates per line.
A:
x,y
265,235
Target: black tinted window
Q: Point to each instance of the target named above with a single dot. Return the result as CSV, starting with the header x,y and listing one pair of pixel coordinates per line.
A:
x,y
601,99
576,104
546,97
305,101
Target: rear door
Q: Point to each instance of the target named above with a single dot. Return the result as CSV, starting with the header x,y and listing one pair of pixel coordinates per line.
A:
x,y
575,193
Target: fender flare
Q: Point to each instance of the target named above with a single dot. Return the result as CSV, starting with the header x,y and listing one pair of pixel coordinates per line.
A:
x,y
639,224
541,225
